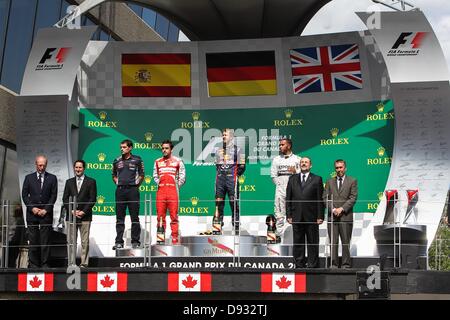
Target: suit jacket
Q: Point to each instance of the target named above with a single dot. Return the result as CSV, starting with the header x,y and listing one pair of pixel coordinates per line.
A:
x,y
86,198
345,197
304,203
33,196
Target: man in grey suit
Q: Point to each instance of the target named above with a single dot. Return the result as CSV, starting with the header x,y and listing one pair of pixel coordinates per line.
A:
x,y
341,192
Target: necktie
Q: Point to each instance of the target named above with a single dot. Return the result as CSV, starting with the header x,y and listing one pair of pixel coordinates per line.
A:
x,y
303,179
339,183
40,180
78,184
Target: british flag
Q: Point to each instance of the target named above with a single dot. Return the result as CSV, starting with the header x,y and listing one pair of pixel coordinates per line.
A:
x,y
329,68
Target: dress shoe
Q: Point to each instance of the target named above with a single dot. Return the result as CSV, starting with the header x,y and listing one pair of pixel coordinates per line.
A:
x,y
118,246
135,245
346,266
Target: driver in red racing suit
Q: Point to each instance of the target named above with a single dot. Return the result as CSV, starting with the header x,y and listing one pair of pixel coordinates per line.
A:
x,y
169,174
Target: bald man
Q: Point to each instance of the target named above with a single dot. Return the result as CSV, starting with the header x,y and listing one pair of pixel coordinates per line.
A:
x,y
39,193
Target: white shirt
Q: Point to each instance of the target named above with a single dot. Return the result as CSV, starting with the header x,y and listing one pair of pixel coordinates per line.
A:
x,y
79,182
42,177
306,174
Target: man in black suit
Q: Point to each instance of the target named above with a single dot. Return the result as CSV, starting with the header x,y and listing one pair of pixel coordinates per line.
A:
x,y
39,194
341,192
305,211
85,190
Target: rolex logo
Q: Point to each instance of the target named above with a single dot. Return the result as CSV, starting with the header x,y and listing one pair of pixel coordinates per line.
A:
x,y
148,179
148,136
102,115
381,151
194,201
288,113
380,107
334,132
100,199
242,179
101,157
380,195
195,116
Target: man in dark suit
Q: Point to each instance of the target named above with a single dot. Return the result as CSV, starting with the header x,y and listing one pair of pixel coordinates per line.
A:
x,y
85,190
305,213
341,193
39,194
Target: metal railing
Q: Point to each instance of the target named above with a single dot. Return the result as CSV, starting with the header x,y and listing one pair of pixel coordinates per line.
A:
x,y
148,251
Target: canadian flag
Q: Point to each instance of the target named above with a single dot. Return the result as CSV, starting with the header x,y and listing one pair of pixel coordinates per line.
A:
x,y
189,281
283,282
35,282
107,281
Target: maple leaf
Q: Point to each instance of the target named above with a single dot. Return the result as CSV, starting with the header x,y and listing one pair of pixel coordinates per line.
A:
x,y
35,283
107,282
189,282
283,283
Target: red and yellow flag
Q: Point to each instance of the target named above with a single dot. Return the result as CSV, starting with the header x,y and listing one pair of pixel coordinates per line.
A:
x,y
156,75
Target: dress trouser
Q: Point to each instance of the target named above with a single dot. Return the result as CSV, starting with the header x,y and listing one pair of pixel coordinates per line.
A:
x,y
84,227
344,230
308,231
39,236
127,196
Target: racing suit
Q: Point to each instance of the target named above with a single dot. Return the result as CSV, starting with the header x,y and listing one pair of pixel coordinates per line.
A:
x,y
169,174
230,164
280,174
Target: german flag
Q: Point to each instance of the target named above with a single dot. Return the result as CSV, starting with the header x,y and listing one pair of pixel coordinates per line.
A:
x,y
156,75
241,73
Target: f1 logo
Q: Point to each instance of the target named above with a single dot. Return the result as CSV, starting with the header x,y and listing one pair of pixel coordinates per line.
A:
x,y
405,38
60,55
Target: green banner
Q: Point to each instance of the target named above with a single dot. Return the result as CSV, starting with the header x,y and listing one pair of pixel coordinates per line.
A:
x,y
360,133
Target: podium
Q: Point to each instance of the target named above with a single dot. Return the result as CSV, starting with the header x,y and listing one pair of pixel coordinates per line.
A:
x,y
405,244
225,245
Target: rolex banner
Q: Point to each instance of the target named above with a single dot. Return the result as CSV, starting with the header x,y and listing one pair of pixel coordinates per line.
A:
x,y
363,136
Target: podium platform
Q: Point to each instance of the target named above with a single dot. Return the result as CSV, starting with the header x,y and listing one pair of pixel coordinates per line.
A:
x,y
407,243
225,245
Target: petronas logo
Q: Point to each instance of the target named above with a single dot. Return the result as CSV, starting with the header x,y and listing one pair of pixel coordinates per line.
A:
x,y
102,115
194,201
333,174
101,157
148,136
100,199
334,132
380,107
381,151
242,179
288,113
380,195
148,179
195,116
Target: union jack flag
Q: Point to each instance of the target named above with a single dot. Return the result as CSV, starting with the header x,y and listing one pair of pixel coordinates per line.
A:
x,y
330,68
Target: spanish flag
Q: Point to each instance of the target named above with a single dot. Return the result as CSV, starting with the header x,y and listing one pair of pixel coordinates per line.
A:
x,y
241,73
156,75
